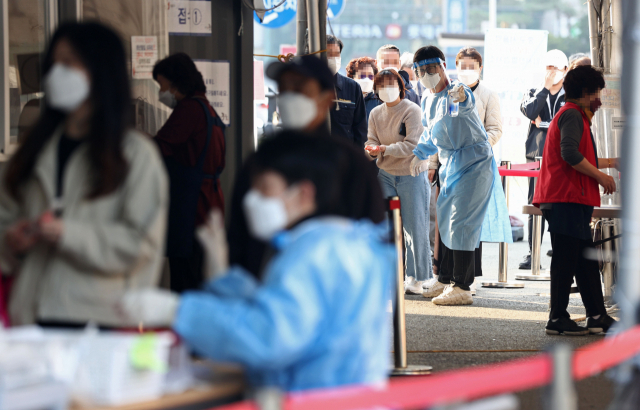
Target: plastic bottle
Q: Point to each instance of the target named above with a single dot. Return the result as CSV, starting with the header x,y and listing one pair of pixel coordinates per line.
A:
x,y
452,107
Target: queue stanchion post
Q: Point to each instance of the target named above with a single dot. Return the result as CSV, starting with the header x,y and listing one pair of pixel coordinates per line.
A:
x,y
607,263
536,244
561,393
401,367
503,252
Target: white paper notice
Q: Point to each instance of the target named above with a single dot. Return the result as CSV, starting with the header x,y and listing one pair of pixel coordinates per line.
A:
x,y
189,17
144,55
618,123
216,78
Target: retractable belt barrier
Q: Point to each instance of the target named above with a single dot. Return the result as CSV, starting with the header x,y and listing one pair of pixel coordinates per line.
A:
x,y
479,382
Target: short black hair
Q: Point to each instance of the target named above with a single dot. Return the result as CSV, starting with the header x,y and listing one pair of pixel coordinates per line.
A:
x,y
346,183
581,80
334,40
180,69
427,52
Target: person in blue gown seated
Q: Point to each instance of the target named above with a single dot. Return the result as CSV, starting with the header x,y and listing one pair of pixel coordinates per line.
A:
x,y
319,318
471,206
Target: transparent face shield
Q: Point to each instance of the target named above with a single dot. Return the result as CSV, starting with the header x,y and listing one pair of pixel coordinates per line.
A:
x,y
430,72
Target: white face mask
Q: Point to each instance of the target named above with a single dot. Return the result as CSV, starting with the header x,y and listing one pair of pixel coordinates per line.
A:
x,y
266,216
389,94
66,88
168,98
559,76
366,84
296,110
468,77
430,81
334,64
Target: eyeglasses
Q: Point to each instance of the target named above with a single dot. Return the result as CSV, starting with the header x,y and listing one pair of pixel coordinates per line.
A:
x,y
363,76
426,69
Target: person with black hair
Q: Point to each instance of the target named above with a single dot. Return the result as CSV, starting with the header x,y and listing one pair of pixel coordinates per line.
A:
x,y
348,116
540,105
388,57
471,206
394,130
83,202
566,193
319,319
193,147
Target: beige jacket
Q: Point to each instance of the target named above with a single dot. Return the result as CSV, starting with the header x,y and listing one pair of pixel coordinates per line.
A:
x,y
488,105
108,245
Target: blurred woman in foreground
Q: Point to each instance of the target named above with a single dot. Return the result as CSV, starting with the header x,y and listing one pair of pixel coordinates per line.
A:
x,y
318,318
83,202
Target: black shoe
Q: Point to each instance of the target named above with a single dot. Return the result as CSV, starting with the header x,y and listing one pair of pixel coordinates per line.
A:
x,y
566,327
600,325
550,253
526,263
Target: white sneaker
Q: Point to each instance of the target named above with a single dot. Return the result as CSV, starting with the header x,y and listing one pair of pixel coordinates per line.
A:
x,y
412,286
454,296
473,288
434,291
428,283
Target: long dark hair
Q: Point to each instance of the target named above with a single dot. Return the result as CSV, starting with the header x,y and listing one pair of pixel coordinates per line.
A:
x,y
346,182
180,69
102,53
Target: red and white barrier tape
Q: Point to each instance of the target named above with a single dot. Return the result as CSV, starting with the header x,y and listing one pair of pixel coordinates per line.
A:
x,y
479,382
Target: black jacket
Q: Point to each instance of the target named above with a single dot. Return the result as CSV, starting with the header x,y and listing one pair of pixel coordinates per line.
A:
x,y
349,119
409,93
371,101
536,103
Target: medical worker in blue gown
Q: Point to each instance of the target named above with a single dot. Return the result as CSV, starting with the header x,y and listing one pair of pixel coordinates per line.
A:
x,y
319,318
471,206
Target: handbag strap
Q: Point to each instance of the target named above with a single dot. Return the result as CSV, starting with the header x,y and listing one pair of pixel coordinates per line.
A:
x,y
211,121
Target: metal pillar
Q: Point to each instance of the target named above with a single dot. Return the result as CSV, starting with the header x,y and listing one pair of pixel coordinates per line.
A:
x,y
561,393
536,243
593,9
301,29
607,264
607,35
313,20
504,248
401,368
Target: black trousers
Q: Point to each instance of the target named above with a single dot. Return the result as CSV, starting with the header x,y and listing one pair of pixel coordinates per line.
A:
x,y
568,261
186,273
532,186
457,267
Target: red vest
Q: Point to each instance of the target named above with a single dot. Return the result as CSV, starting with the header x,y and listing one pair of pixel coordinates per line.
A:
x,y
558,181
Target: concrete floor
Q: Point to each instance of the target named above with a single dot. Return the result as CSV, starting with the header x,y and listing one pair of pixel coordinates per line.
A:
x,y
499,319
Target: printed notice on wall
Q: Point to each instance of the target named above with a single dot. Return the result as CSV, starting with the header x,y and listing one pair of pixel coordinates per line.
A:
x,y
216,79
189,17
144,55
618,123
610,95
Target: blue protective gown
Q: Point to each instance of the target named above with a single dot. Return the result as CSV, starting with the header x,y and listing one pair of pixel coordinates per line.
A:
x,y
471,206
319,319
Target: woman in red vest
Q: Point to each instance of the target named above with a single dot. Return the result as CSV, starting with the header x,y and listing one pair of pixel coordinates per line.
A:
x,y
566,193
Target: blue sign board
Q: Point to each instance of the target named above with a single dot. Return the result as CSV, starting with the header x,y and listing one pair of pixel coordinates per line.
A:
x,y
457,16
287,12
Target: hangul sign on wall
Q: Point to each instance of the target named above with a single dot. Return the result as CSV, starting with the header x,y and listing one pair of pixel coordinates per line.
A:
x,y
189,17
144,55
217,80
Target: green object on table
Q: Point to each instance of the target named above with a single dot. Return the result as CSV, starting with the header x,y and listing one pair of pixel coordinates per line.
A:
x,y
144,354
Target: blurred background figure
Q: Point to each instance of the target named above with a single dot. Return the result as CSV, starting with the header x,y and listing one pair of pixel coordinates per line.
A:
x,y
469,68
578,59
306,93
348,117
319,319
540,105
388,56
193,147
406,65
83,203
363,70
394,130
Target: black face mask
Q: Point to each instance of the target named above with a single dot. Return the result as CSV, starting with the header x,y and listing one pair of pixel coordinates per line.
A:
x,y
594,105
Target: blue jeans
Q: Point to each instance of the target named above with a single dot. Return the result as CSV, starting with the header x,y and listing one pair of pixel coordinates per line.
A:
x,y
414,193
